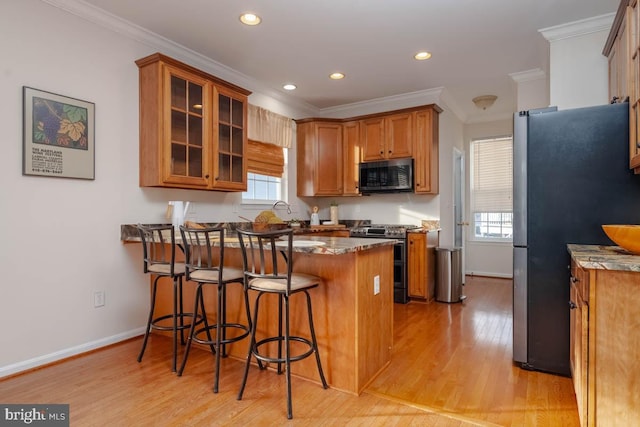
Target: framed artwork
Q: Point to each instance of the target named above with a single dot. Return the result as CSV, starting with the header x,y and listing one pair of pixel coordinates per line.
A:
x,y
58,135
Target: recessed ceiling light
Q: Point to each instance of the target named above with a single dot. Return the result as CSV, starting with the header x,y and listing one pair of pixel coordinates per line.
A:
x,y
336,76
289,86
421,56
250,19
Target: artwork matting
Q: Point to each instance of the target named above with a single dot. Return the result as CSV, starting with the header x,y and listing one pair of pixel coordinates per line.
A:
x,y
58,135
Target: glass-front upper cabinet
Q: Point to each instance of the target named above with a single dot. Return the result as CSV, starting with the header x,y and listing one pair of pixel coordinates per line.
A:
x,y
188,142
230,165
192,128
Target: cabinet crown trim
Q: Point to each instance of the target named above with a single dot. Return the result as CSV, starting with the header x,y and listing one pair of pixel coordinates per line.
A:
x,y
433,107
158,57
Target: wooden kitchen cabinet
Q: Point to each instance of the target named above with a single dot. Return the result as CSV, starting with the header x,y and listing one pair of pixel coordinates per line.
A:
x,y
192,128
387,137
421,264
622,50
319,158
579,342
329,151
619,58
426,158
605,345
351,156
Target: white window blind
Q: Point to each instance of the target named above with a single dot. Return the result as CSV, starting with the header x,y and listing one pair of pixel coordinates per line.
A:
x,y
492,175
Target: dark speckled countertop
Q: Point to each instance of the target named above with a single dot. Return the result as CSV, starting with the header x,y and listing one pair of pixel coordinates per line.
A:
x,y
306,243
604,257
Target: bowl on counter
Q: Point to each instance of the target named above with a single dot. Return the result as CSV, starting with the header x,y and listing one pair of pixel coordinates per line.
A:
x,y
625,236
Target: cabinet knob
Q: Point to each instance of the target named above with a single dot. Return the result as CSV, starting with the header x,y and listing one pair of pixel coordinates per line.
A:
x,y
572,305
390,151
207,176
574,279
381,152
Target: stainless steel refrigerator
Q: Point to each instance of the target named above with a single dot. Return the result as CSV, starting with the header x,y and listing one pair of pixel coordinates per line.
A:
x,y
571,175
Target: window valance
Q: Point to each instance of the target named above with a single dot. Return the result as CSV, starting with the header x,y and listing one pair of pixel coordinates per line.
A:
x,y
269,127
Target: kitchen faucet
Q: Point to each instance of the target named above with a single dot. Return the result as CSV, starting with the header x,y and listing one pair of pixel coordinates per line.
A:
x,y
285,203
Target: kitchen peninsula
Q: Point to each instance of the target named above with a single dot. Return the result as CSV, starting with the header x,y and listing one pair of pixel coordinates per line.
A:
x,y
354,325
605,334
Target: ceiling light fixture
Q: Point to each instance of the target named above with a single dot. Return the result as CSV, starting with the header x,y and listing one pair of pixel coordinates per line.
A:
x,y
289,86
336,76
421,56
485,101
250,19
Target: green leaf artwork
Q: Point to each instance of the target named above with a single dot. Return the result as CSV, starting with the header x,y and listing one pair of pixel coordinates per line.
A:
x,y
59,124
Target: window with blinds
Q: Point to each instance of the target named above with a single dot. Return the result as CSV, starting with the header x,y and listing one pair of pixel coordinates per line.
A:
x,y
492,188
267,177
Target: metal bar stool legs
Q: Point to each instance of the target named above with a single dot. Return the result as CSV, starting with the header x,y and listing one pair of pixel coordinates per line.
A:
x,y
282,338
176,316
219,342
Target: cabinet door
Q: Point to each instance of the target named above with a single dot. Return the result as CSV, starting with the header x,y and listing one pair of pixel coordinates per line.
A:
x,y
328,150
426,152
633,22
186,133
417,268
398,131
579,338
372,139
351,156
230,164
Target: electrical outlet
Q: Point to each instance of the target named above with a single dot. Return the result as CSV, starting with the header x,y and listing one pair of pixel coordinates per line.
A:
x,y
98,299
376,285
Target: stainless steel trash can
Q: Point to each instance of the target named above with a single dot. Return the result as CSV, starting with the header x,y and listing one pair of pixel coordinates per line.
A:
x,y
449,274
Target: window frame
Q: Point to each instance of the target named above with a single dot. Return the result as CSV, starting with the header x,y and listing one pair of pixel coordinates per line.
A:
x,y
472,205
284,180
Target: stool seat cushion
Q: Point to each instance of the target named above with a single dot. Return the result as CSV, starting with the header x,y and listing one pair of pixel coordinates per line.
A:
x,y
165,269
298,281
229,274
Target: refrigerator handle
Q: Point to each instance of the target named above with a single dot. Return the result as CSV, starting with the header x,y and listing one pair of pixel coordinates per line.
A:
x,y
520,179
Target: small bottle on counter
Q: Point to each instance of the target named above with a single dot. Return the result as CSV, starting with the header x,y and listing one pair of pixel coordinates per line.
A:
x,y
315,218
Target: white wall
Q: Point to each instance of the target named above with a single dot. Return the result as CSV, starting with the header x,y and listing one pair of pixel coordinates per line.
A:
x,y
481,257
578,71
61,237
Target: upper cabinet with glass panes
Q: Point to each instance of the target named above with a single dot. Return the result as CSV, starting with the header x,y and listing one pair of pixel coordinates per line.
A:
x,y
192,128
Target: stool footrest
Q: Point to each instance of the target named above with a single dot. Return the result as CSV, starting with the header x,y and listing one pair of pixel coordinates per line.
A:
x,y
225,326
292,358
155,322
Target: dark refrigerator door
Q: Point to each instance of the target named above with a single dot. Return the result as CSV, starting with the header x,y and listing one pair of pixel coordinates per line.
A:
x,y
578,179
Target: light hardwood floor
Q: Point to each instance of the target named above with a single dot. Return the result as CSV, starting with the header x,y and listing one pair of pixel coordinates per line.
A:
x,y
451,366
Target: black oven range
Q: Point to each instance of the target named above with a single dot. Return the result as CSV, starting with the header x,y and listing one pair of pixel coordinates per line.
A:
x,y
399,233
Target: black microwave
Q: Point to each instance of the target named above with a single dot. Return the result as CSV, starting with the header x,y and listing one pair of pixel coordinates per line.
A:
x,y
386,176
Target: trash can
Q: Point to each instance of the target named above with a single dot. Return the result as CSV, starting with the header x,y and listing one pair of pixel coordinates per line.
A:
x,y
449,274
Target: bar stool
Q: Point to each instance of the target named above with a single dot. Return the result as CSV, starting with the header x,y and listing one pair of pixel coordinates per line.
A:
x,y
263,275
160,262
205,266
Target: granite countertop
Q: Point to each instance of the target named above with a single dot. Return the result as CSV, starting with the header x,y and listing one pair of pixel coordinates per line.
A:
x,y
318,245
604,257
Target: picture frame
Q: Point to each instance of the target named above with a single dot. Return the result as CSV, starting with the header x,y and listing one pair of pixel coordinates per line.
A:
x,y
58,135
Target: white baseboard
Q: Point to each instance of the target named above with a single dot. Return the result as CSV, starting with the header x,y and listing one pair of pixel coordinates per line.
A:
x,y
489,274
68,352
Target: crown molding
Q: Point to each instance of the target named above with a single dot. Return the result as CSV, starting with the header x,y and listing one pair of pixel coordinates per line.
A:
x,y
454,107
578,28
528,75
135,32
438,95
